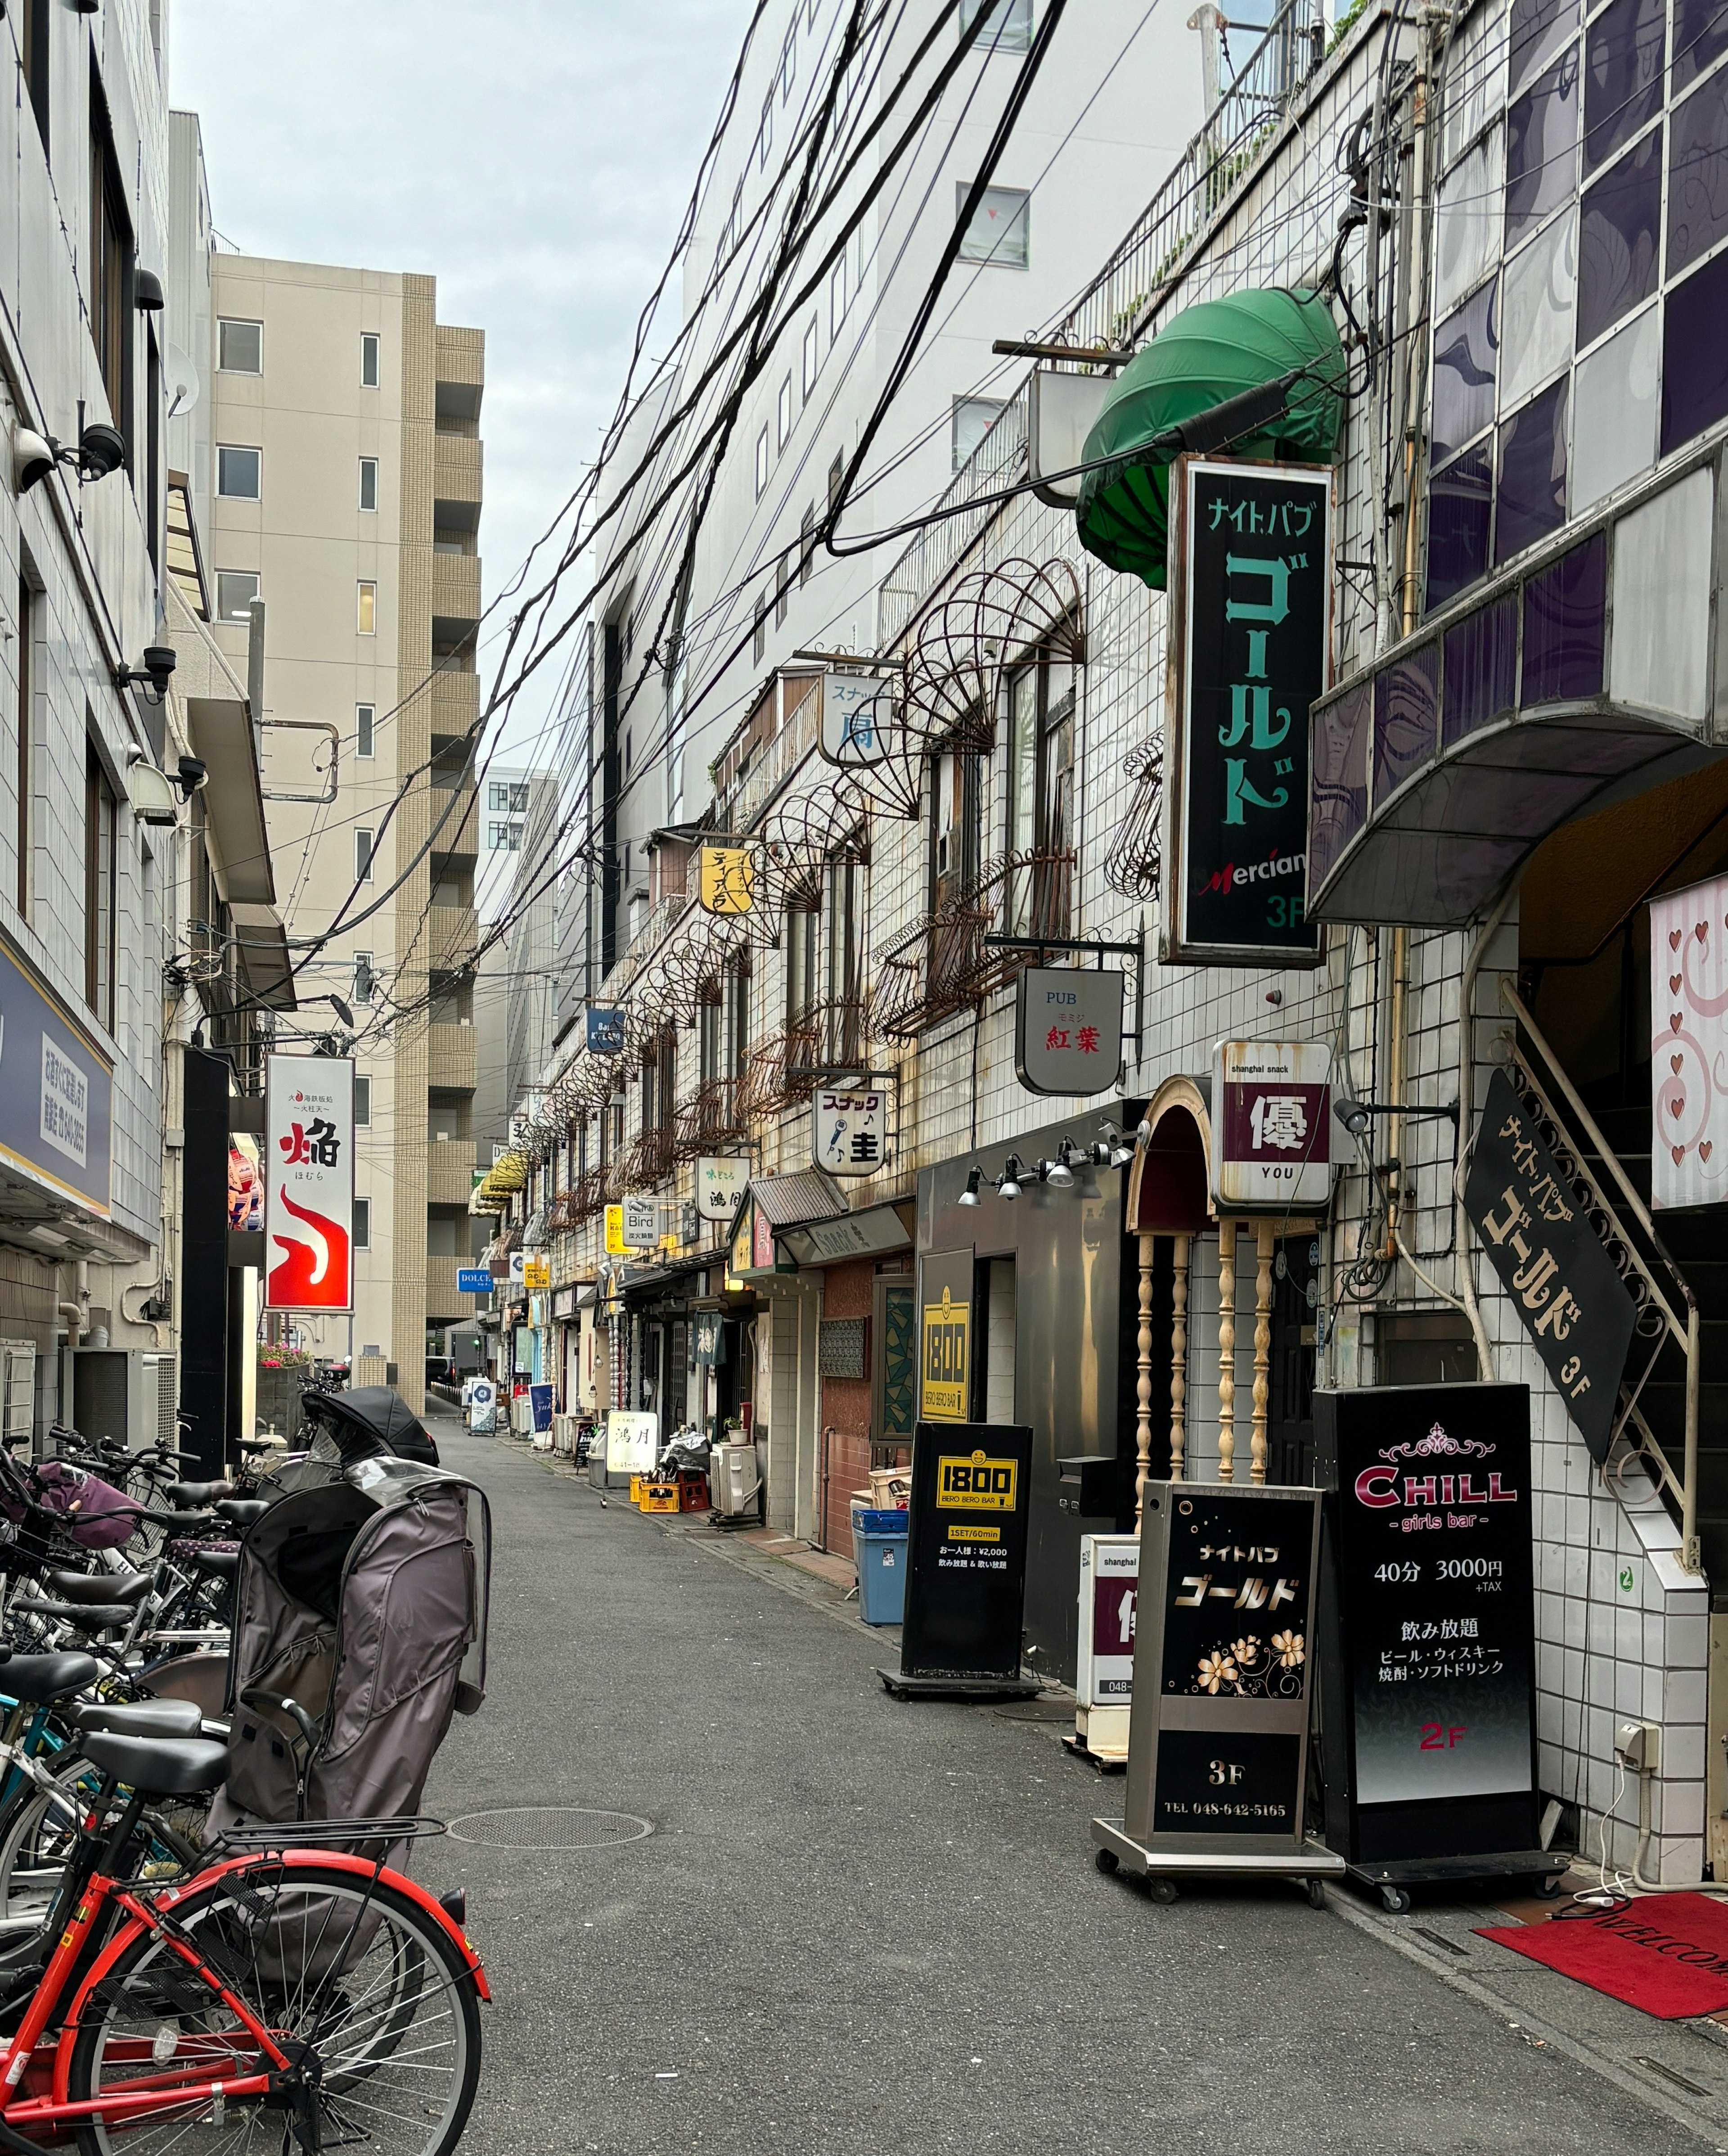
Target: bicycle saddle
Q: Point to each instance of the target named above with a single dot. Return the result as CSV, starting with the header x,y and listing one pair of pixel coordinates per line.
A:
x,y
37,1678
159,1766
143,1717
83,1616
224,1563
111,1588
195,1497
242,1512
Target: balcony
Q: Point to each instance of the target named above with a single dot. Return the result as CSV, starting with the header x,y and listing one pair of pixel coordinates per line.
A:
x,y
712,1119
443,1299
589,1196
456,587
451,1056
458,467
449,1171
650,1161
451,932
944,963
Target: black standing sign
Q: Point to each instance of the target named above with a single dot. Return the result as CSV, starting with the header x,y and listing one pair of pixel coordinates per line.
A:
x,y
966,1584
1249,653
1575,1308
1218,1737
1428,1619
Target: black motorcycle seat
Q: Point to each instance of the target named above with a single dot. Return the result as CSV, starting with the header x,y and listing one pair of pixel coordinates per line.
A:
x,y
82,1616
38,1678
139,1718
108,1587
159,1766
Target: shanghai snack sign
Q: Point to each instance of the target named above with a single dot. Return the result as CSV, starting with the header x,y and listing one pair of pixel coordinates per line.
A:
x,y
1249,654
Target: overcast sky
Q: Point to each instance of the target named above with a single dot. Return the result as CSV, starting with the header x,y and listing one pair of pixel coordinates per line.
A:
x,y
534,155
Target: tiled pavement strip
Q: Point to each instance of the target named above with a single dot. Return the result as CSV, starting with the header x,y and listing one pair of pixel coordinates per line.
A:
x,y
1678,2068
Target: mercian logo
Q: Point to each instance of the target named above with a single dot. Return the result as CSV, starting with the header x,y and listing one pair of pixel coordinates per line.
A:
x,y
1378,1486
1234,876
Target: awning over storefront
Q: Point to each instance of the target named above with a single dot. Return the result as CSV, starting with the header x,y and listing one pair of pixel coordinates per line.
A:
x,y
1556,691
872,1233
1216,350
1169,1182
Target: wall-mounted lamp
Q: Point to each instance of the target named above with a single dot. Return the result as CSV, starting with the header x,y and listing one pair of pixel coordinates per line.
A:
x,y
1356,1115
969,1196
147,295
1007,1183
153,676
1057,1171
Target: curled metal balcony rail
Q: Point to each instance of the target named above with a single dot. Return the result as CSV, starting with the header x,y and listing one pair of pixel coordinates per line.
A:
x,y
769,1084
944,963
1135,862
713,1116
968,640
650,1159
589,1194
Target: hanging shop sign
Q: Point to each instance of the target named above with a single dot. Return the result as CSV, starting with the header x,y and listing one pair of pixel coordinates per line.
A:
x,y
1575,1308
1430,1680
606,1032
1249,652
1689,1052
1218,1747
309,1183
848,1129
856,712
708,1340
1272,1125
1067,1030
56,1092
474,1280
642,1223
876,1231
726,879
722,1180
616,1245
536,1271
966,1581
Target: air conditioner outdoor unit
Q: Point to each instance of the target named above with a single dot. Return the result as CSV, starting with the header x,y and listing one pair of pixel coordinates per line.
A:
x,y
735,1480
128,1393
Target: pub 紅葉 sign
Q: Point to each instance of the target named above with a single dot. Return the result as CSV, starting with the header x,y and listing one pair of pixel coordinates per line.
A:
x,y
1575,1308
1249,651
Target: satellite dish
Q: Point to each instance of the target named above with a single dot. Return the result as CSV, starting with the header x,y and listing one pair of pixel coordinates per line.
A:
x,y
182,384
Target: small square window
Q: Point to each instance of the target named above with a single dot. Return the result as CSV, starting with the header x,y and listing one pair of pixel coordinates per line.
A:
x,y
368,482
235,591
363,1101
997,233
362,856
783,414
1008,28
362,1224
239,348
519,799
811,358
239,474
363,730
973,419
762,462
368,359
368,621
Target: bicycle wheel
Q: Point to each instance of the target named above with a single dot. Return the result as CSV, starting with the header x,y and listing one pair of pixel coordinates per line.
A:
x,y
352,1979
40,1829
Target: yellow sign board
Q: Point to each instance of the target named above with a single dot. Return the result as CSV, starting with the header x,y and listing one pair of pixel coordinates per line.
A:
x,y
615,1246
727,879
975,1483
947,1339
536,1273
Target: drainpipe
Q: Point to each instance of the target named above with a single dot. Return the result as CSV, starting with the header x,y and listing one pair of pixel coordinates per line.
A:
x,y
1466,1088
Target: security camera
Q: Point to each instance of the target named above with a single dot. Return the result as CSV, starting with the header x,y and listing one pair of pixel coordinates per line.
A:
x,y
34,457
101,449
147,295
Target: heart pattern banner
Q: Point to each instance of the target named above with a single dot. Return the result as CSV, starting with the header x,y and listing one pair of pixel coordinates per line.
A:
x,y
1688,1050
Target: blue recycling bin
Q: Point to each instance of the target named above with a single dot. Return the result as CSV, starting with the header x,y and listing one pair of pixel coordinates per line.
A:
x,y
879,1546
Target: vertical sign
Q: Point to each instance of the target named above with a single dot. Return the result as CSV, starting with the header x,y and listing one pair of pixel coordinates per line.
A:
x,y
1689,1054
722,1180
606,1032
947,1343
1251,651
1109,1589
1272,1125
1067,1031
849,1131
856,712
966,1581
1431,1690
725,879
309,1183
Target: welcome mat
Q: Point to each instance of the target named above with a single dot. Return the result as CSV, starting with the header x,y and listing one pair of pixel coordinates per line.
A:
x,y
1666,1953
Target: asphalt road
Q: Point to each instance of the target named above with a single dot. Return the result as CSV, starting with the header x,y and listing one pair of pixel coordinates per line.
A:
x,y
861,1926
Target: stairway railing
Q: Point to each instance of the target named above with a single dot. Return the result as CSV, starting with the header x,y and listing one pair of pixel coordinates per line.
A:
x,y
1685,1334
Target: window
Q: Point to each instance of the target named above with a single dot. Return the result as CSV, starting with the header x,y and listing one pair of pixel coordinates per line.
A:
x,y
759,637
368,482
239,346
807,545
508,797
110,267
365,981
362,1223
25,740
363,730
235,591
100,830
1008,26
844,912
782,590
362,1102
762,464
955,830
368,359
738,1020
710,1026
1040,795
789,62
973,419
783,414
836,298
239,474
799,932
367,616
997,232
34,21
765,141
362,856
836,481
505,837
811,357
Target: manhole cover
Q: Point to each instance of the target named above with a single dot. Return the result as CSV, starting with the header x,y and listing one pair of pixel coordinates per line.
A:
x,y
550,1826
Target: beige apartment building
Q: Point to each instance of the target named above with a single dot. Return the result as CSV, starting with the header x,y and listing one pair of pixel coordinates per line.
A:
x,y
345,494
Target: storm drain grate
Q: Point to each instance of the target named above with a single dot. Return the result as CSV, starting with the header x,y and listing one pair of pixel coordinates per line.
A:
x,y
550,1826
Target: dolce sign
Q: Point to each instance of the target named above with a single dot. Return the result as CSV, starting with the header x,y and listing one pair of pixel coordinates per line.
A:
x,y
1272,1125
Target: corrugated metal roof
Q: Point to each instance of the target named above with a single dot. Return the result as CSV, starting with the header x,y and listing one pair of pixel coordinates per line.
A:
x,y
789,1201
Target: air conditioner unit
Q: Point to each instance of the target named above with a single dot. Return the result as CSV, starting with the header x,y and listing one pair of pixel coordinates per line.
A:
x,y
18,1392
735,1480
128,1393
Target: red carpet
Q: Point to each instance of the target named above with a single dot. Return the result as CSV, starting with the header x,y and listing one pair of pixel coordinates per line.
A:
x,y
1667,1954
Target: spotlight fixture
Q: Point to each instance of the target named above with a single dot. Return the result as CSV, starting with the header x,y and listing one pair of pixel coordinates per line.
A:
x,y
34,457
342,1011
1118,1148
100,449
147,295
969,1196
153,676
1356,1115
1007,1183
1058,1171
191,775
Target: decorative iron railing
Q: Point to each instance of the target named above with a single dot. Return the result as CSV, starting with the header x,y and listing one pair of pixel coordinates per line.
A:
x,y
947,962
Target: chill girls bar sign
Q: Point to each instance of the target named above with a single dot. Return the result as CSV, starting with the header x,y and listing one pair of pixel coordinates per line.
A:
x,y
1249,651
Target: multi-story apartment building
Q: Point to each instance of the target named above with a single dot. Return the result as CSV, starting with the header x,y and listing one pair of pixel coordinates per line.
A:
x,y
1491,241
344,486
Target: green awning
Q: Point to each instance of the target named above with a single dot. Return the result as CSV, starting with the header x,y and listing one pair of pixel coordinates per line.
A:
x,y
1213,349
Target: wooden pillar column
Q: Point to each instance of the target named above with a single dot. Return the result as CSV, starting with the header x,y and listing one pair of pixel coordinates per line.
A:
x,y
1263,1347
1143,1423
1227,1351
1179,1359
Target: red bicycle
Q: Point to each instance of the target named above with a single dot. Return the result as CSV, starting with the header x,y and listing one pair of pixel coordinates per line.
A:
x,y
285,1999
